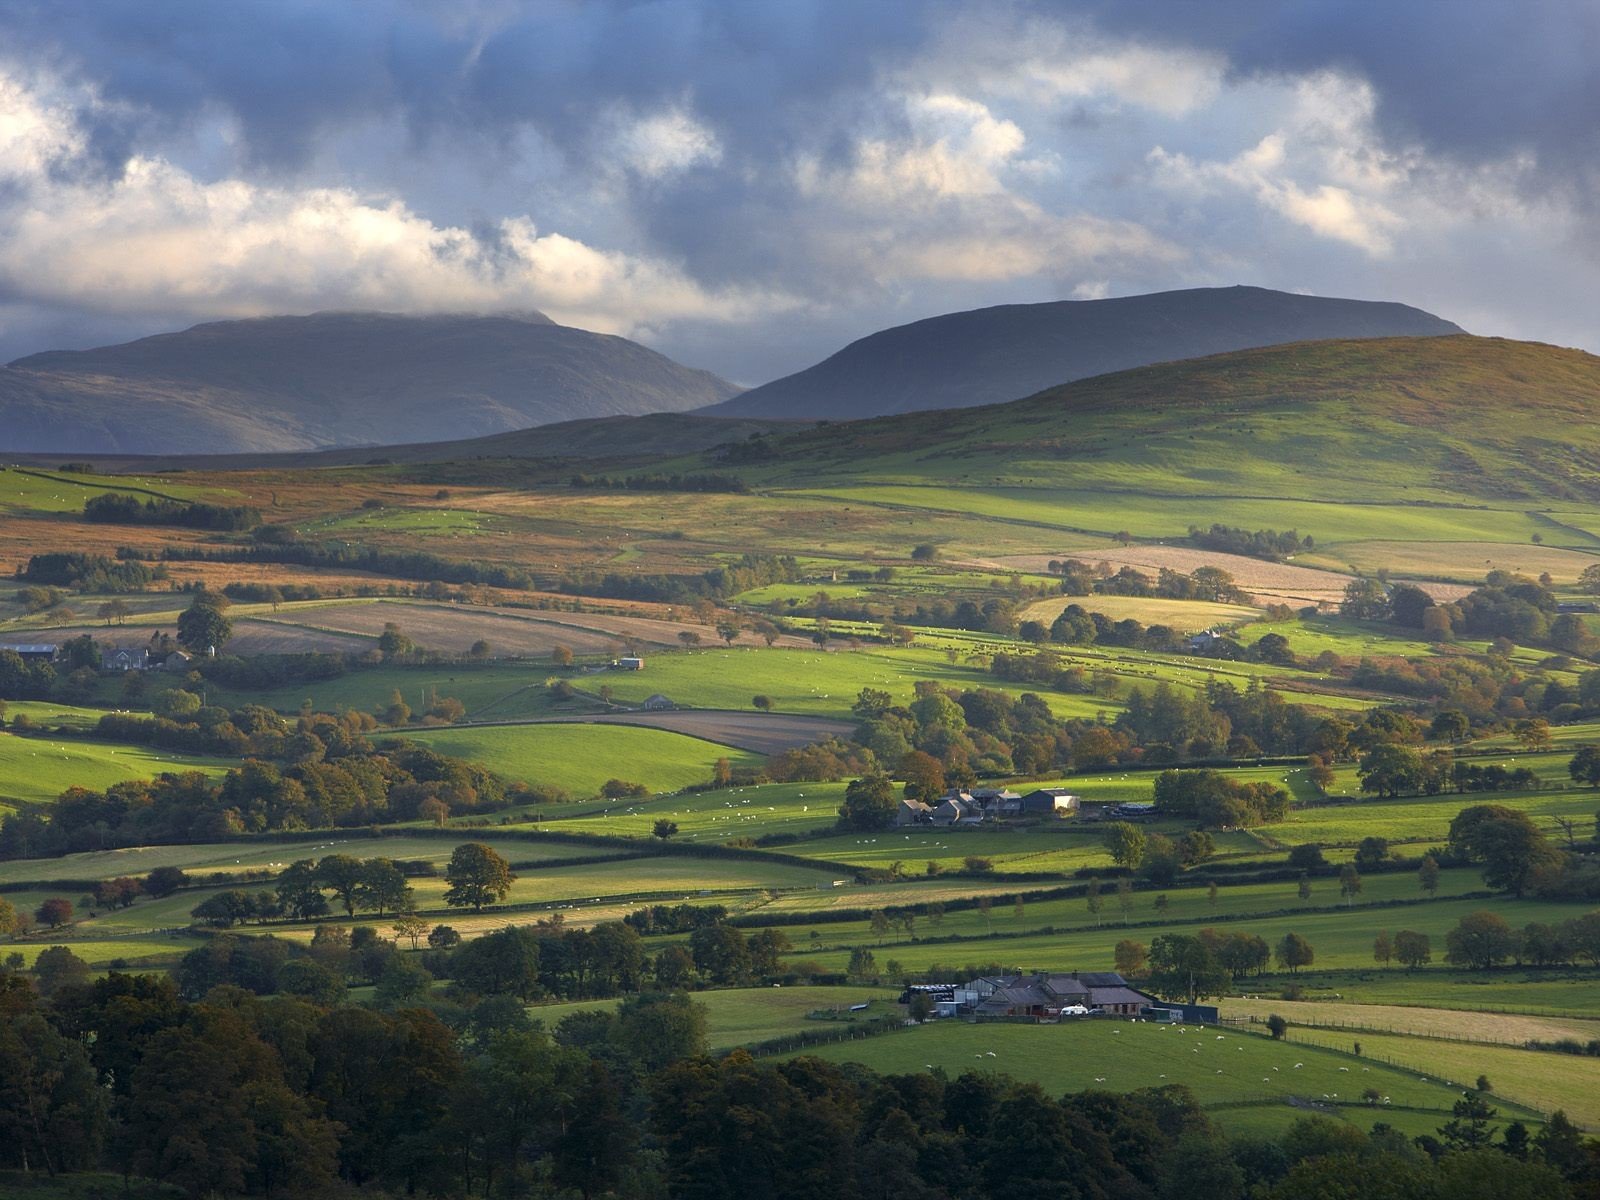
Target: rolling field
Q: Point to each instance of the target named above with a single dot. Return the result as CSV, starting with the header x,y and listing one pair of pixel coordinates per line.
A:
x,y
35,770
1339,937
579,758
32,490
736,812
1464,561
742,1016
1221,1068
1185,616
1534,1078
276,853
1447,1023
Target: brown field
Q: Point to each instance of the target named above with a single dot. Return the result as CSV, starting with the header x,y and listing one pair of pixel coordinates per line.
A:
x,y
761,733
1462,562
1186,616
454,628
1269,582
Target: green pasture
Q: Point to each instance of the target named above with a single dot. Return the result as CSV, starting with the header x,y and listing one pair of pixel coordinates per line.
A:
x,y
1271,902
23,491
579,758
419,522
492,691
1153,515
1221,1066
1563,993
52,715
743,1016
1425,819
35,770
1534,1078
270,853
720,815
1341,938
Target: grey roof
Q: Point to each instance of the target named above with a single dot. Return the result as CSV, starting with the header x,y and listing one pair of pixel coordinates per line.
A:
x,y
1101,979
1117,995
30,647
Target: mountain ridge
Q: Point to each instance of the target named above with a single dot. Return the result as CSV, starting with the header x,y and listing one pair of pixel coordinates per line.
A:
x,y
331,379
1006,352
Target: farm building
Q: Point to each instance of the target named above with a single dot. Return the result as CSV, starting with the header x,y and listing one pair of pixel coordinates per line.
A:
x,y
178,660
630,663
1047,802
32,651
1204,640
114,659
1050,996
957,808
913,812
657,703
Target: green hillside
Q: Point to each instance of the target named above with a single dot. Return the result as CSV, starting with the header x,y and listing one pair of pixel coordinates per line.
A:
x,y
1413,421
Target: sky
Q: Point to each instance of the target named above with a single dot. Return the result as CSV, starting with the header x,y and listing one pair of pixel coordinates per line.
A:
x,y
749,185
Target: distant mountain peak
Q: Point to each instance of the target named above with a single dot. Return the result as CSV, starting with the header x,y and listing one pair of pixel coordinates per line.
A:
x,y
1007,351
333,379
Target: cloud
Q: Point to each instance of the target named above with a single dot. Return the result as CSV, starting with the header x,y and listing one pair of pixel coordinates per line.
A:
x,y
154,238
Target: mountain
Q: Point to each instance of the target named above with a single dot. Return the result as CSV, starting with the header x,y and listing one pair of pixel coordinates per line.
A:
x,y
334,379
991,355
1419,422
597,440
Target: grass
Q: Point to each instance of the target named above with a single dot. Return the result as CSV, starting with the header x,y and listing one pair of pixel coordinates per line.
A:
x,y
579,758
1537,1079
1220,1067
1447,1023
739,812
35,770
55,492
744,1016
1186,616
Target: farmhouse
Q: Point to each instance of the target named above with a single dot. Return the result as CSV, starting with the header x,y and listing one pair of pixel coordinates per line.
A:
x,y
957,808
1204,640
1049,996
114,659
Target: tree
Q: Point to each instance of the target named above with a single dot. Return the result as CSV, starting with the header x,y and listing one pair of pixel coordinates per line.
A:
x,y
1277,1027
1303,890
1126,844
1382,948
1131,957
862,965
54,912
1371,852
923,775
397,711
664,828
764,703
381,887
1412,949
561,656
1480,940
204,625
1183,967
1095,902
411,927
1349,883
1428,874
1390,770
1294,952
392,643
476,876
341,874
1450,725
869,803
58,967
1507,842
1469,1127
443,937
1125,897
1585,766
163,881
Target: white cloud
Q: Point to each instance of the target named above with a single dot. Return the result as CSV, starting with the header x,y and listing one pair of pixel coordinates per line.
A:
x,y
665,143
157,239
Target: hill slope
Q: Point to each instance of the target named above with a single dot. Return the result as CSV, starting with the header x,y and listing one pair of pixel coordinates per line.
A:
x,y
1417,420
992,355
331,379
